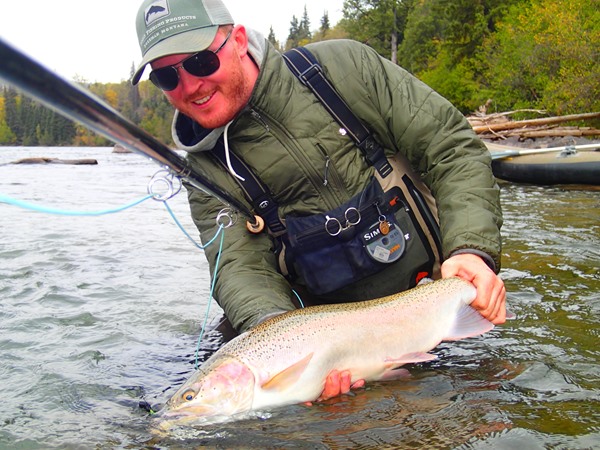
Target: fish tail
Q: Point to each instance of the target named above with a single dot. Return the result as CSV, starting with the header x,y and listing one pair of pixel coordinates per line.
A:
x,y
468,323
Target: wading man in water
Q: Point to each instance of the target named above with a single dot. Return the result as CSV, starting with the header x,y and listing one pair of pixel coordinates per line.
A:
x,y
345,221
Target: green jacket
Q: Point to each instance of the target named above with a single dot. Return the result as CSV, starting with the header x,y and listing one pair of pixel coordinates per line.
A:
x,y
294,145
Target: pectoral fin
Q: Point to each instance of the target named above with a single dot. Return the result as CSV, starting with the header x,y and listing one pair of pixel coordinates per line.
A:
x,y
287,377
468,323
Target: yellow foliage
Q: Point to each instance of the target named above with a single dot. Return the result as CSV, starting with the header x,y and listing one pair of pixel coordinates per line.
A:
x,y
112,97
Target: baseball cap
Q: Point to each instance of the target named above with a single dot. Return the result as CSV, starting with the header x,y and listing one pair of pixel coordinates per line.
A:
x,y
169,27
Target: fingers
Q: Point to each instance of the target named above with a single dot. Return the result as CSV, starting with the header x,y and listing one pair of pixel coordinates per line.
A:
x,y
338,383
332,386
491,298
345,381
491,293
498,314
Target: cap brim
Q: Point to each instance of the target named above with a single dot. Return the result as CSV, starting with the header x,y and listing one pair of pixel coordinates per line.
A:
x,y
187,42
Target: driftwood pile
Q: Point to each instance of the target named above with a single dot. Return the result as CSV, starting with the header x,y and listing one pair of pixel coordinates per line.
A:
x,y
499,126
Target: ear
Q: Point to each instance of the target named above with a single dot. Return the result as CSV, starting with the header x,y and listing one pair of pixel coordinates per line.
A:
x,y
239,35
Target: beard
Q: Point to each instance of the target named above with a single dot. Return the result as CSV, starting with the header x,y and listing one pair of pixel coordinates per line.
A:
x,y
233,95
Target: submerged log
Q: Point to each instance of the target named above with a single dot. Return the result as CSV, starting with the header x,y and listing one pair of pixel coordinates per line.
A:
x,y
45,160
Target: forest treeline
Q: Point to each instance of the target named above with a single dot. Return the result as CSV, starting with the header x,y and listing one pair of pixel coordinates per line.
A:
x,y
505,54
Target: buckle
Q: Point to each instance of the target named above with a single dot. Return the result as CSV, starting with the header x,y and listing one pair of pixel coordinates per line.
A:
x,y
306,75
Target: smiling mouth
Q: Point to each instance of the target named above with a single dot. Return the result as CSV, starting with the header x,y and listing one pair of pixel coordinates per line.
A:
x,y
203,100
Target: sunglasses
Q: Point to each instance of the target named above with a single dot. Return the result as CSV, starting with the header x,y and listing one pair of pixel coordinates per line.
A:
x,y
201,64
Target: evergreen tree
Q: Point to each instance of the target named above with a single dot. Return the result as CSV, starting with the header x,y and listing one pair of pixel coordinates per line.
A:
x,y
129,104
294,36
29,117
300,33
61,130
325,25
12,116
7,137
272,39
304,33
377,23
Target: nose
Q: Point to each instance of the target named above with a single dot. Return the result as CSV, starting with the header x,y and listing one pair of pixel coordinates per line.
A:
x,y
188,83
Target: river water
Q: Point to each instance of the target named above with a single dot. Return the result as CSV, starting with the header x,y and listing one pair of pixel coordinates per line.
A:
x,y
101,315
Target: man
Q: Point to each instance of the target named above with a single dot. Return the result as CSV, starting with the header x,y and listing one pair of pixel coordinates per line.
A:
x,y
228,83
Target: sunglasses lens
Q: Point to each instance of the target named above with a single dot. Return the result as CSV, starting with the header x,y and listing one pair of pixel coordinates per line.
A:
x,y
165,78
202,64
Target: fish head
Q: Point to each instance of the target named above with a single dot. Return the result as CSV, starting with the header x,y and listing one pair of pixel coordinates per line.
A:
x,y
215,392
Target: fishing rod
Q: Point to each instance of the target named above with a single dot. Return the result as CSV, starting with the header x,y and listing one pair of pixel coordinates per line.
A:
x,y
77,104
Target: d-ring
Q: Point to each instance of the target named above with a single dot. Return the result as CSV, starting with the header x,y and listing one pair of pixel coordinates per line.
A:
x,y
226,218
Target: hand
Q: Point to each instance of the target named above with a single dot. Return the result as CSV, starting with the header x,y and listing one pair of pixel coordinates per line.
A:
x,y
338,383
491,293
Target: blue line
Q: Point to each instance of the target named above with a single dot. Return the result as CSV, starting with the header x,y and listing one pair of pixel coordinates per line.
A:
x,y
212,291
47,210
201,247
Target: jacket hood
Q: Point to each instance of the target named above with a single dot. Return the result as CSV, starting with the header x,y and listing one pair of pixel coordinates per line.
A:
x,y
187,134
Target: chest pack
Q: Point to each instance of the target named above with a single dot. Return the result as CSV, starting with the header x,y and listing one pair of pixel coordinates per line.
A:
x,y
393,221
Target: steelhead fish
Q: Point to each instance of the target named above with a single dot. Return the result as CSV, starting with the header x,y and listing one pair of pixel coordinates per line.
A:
x,y
286,359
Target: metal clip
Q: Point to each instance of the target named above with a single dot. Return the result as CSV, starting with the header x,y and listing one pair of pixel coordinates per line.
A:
x,y
334,227
171,183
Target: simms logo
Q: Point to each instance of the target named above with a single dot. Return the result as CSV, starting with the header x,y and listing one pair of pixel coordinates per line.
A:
x,y
158,9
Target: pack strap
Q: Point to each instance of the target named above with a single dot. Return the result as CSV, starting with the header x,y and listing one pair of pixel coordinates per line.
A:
x,y
308,70
255,190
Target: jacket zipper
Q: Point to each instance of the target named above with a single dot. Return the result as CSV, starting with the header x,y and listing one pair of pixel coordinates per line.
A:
x,y
329,172
256,116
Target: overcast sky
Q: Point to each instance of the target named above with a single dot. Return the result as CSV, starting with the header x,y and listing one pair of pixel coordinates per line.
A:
x,y
96,41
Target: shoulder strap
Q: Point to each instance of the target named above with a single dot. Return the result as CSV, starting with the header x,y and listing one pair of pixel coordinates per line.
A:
x,y
256,192
308,70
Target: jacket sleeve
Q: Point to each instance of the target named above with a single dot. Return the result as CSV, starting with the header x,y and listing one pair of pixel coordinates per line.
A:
x,y
409,117
248,285
454,163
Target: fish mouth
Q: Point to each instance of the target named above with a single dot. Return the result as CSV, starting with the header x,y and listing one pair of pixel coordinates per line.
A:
x,y
171,414
188,413
166,421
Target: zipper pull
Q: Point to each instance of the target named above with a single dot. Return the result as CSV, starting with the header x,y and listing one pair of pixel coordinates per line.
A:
x,y
256,115
326,174
327,162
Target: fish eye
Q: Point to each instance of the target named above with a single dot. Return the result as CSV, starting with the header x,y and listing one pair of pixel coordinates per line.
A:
x,y
188,395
